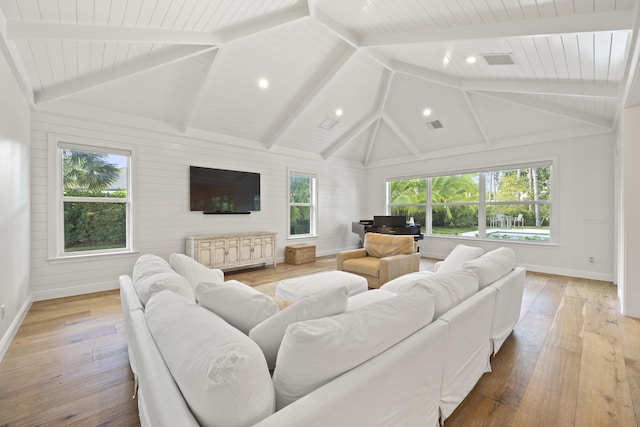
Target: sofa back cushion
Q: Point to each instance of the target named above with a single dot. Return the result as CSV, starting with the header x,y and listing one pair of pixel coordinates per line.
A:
x,y
152,274
221,373
238,303
382,245
492,265
315,352
193,271
448,289
458,256
269,333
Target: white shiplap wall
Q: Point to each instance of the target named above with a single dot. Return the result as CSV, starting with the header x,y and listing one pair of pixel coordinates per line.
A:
x,y
161,194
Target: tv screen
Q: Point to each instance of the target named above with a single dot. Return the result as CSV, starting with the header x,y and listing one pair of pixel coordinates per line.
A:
x,y
224,191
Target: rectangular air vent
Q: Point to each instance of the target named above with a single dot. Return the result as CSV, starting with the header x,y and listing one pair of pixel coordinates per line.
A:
x,y
328,123
436,124
498,58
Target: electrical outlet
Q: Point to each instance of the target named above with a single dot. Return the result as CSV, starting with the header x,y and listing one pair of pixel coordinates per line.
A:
x,y
591,260
2,310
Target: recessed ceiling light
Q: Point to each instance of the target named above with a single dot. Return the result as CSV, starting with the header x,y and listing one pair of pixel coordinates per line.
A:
x,y
263,83
426,112
445,60
471,59
339,112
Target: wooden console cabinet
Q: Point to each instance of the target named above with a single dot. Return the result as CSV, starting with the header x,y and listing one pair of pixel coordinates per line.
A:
x,y
233,250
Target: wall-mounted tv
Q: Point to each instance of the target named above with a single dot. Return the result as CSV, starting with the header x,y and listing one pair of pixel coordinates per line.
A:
x,y
220,191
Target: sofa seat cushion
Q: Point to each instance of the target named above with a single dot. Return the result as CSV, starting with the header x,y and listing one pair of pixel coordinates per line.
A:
x,y
458,256
382,245
314,352
238,303
220,372
193,271
448,289
269,333
492,265
368,266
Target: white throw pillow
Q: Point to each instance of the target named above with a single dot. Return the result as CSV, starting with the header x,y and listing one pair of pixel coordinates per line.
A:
x,y
221,373
492,265
171,281
147,265
448,289
315,352
458,256
268,334
366,298
237,303
193,271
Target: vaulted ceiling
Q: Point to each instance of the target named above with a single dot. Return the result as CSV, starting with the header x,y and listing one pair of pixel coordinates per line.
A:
x,y
196,65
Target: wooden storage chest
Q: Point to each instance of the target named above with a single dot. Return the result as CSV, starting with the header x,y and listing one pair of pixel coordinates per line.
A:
x,y
300,254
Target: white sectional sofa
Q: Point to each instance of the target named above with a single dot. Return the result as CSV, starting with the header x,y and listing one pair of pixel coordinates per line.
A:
x,y
405,354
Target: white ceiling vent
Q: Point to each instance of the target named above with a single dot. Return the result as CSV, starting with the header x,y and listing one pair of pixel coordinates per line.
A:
x,y
498,58
436,124
328,123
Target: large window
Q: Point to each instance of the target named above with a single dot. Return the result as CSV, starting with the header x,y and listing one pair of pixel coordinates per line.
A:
x,y
507,203
302,204
93,200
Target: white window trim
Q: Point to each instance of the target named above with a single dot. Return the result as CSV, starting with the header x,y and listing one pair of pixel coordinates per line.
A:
x,y
554,202
313,220
55,201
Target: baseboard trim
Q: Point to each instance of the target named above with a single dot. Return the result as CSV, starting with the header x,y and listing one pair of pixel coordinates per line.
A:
x,y
5,342
581,274
75,290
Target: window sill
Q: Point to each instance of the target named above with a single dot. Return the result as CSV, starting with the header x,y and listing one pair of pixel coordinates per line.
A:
x,y
92,257
303,237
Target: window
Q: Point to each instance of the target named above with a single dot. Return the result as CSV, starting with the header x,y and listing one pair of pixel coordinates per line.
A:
x,y
511,203
93,200
302,204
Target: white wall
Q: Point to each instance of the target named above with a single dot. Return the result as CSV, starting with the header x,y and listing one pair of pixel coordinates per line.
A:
x,y
583,204
161,194
14,204
629,213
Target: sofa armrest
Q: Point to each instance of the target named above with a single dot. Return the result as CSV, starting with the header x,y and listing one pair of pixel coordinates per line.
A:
x,y
398,265
345,255
436,266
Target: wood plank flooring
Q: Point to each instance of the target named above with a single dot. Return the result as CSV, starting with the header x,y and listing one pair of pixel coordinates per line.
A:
x,y
571,361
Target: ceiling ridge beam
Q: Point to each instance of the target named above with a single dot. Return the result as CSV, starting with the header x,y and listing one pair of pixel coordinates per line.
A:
x,y
265,23
574,24
12,56
304,99
473,112
338,30
598,90
103,33
426,74
351,134
403,137
546,107
370,143
174,54
202,84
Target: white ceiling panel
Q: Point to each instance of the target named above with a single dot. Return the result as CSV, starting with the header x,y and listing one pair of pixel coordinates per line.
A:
x,y
196,64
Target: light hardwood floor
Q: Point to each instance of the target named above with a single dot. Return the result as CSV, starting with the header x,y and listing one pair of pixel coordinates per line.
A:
x,y
571,361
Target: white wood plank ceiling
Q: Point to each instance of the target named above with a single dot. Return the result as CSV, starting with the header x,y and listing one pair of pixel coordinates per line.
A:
x,y
195,64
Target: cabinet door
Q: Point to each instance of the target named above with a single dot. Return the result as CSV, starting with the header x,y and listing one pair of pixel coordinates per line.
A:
x,y
204,252
258,249
233,252
219,253
269,248
246,250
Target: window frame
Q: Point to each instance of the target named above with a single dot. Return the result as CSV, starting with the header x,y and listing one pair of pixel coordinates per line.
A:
x,y
58,143
482,202
313,205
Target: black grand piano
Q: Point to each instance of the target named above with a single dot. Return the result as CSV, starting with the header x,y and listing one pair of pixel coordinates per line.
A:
x,y
386,224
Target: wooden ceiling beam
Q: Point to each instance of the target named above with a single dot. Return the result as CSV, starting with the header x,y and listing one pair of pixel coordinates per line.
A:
x,y
350,135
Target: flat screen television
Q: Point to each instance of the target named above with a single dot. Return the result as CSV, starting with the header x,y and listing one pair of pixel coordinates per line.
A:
x,y
223,191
